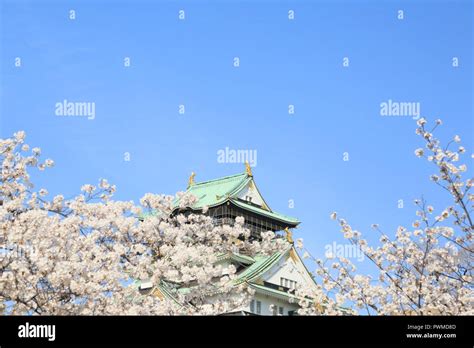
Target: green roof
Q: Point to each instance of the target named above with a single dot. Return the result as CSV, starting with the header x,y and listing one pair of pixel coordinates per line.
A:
x,y
214,192
168,291
219,191
260,266
271,214
244,259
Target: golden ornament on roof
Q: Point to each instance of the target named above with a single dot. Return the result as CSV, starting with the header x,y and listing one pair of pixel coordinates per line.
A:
x,y
289,235
248,169
191,179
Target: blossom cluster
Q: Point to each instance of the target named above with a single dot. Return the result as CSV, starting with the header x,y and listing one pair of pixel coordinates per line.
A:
x,y
425,270
87,254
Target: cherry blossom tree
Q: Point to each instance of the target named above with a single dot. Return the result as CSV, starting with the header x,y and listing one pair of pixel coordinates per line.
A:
x,y
423,270
82,255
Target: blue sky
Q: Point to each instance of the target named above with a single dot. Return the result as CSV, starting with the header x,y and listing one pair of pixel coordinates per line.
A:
x,y
282,62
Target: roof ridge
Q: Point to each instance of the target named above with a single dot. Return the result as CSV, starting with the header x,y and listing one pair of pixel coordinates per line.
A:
x,y
218,179
245,205
260,266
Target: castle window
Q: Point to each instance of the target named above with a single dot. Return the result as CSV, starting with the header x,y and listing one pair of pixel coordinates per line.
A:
x,y
259,307
287,283
280,310
252,306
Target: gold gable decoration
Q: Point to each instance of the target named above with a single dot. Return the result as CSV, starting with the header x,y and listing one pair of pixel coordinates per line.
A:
x,y
191,179
289,235
248,169
319,307
158,293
